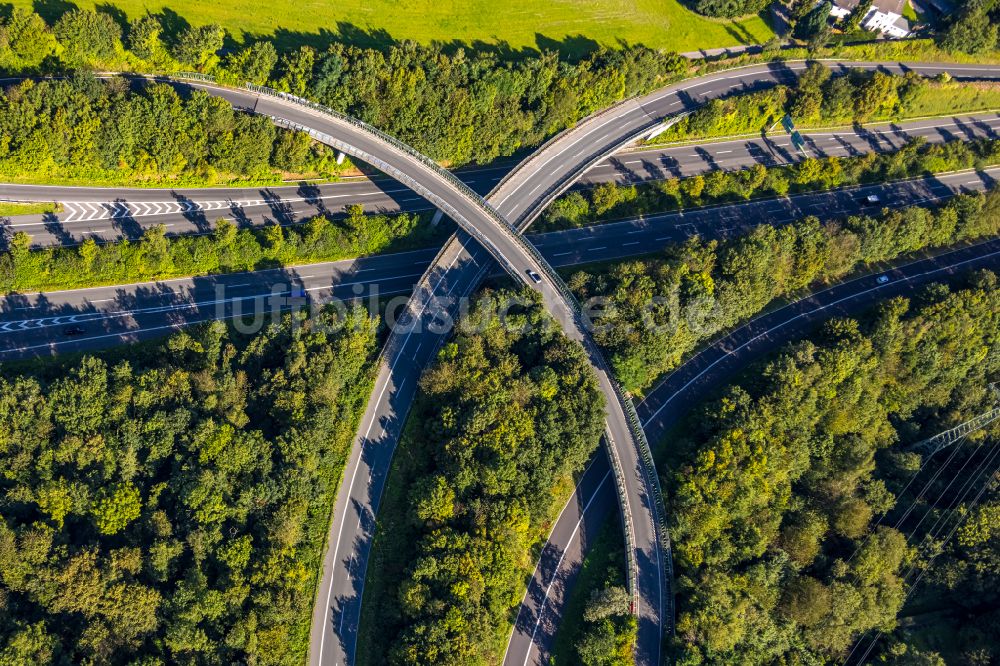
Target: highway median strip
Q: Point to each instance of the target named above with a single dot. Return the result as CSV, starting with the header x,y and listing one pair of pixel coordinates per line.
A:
x,y
226,249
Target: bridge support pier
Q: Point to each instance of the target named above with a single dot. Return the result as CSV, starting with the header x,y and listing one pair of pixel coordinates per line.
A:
x,y
438,214
665,125
340,157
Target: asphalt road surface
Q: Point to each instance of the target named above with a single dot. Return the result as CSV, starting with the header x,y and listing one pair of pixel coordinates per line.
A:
x,y
110,213
33,324
594,501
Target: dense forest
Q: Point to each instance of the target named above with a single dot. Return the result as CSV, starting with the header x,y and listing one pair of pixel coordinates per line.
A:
x,y
973,28
609,629
454,105
508,412
729,8
170,503
790,490
227,249
103,132
694,290
953,617
610,201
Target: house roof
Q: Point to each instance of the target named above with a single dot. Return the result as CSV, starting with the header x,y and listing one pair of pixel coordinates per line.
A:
x,y
884,6
849,5
890,6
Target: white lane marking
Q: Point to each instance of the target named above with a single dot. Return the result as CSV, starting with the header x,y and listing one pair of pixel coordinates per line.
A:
x,y
95,213
595,249
937,269
350,487
71,208
548,588
122,334
576,140
46,322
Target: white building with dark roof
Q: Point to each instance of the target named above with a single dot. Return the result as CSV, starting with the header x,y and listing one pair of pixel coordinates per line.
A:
x,y
884,16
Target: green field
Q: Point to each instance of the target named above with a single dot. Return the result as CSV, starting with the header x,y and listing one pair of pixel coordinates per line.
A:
x,y
573,26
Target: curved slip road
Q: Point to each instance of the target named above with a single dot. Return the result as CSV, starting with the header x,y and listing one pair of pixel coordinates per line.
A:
x,y
455,273
109,213
503,244
582,519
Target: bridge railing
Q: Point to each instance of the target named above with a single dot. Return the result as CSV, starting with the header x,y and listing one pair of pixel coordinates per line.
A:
x,y
659,508
566,181
632,565
645,453
393,141
369,129
411,183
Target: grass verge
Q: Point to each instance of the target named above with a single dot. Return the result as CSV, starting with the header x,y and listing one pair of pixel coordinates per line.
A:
x,y
119,179
750,114
227,250
12,208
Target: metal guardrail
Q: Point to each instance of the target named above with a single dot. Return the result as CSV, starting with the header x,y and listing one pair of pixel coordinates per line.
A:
x,y
632,566
411,152
572,129
396,143
408,180
623,504
538,152
659,508
635,427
